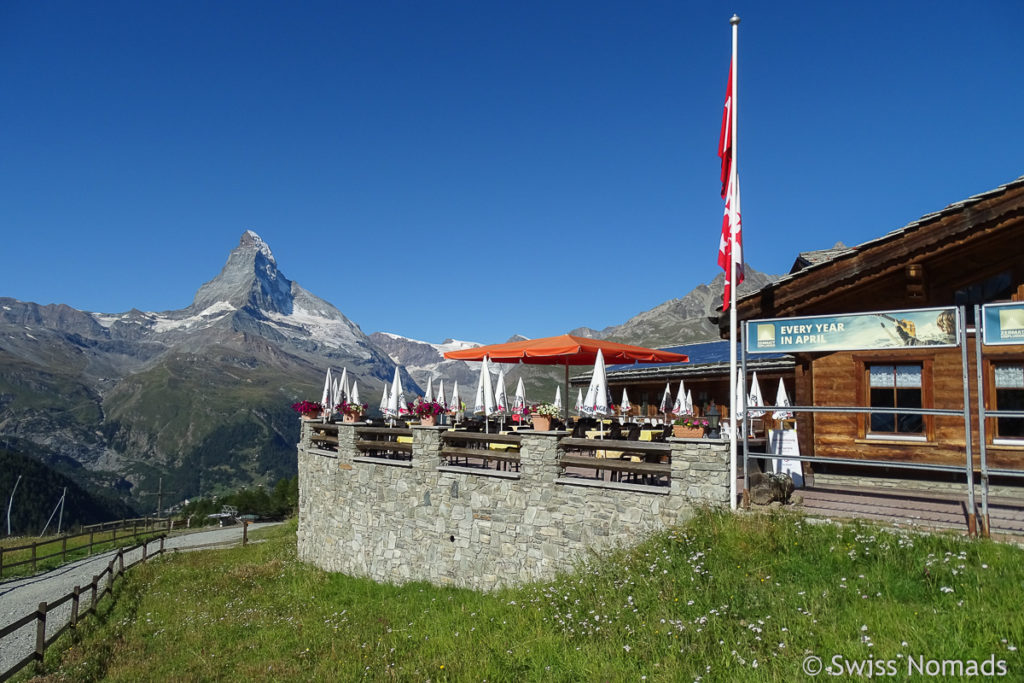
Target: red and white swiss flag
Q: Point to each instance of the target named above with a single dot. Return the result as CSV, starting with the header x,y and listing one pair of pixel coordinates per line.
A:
x,y
730,247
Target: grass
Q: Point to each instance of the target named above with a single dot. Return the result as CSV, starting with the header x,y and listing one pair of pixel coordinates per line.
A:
x,y
725,598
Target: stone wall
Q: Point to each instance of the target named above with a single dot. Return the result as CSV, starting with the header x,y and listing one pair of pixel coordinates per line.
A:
x,y
407,521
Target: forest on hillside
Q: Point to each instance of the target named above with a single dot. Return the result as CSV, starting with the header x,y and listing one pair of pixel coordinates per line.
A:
x,y
34,498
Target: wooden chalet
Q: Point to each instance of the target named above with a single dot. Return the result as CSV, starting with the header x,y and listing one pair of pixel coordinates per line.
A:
x,y
971,252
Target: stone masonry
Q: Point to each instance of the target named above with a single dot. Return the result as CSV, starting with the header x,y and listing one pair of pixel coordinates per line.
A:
x,y
400,521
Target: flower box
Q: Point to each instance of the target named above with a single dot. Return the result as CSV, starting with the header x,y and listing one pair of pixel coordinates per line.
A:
x,y
683,432
542,423
309,410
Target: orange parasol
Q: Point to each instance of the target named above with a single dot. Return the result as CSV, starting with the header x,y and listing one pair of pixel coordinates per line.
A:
x,y
566,349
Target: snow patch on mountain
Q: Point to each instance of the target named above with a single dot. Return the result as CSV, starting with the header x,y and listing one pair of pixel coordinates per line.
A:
x,y
331,332
442,348
164,323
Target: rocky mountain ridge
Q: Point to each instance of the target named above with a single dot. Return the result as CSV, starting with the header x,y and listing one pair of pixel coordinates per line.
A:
x,y
199,396
679,321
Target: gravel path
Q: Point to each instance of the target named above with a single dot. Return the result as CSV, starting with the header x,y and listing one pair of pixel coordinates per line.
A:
x,y
22,596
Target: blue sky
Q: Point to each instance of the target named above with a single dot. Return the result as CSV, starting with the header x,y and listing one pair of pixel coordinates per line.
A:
x,y
479,169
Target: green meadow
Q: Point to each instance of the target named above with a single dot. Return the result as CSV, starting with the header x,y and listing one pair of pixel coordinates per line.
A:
x,y
749,597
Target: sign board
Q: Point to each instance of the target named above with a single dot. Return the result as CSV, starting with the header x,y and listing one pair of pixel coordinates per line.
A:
x,y
784,443
1004,324
856,331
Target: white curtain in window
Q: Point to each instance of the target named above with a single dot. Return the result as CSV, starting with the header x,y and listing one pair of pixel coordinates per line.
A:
x,y
882,376
1009,376
908,376
896,375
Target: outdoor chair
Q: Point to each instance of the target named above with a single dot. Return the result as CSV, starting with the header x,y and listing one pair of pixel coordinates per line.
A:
x,y
634,432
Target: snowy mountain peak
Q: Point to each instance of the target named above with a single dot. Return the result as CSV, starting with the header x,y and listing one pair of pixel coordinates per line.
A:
x,y
249,278
250,240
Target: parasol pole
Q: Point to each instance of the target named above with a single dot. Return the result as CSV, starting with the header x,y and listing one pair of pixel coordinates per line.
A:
x,y
733,209
565,408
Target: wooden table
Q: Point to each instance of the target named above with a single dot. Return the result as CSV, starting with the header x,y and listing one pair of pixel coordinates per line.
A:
x,y
598,434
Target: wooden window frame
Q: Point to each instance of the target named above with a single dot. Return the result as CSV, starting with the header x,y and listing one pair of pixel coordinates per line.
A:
x,y
991,423
927,434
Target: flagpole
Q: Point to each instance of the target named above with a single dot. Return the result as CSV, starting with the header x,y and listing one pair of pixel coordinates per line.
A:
x,y
735,21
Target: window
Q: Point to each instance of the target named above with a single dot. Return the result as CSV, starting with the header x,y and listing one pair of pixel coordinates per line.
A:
x,y
994,288
895,386
1009,381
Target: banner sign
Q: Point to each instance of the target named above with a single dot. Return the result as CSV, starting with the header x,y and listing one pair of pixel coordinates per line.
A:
x,y
785,443
855,332
1004,323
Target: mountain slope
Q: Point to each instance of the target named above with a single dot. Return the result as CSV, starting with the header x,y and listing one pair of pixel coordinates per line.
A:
x,y
198,396
679,321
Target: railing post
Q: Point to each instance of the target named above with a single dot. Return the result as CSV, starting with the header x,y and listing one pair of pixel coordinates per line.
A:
x,y
40,634
74,606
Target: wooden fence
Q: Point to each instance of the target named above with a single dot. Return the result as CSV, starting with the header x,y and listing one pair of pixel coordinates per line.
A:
x,y
385,442
95,591
476,449
640,461
134,528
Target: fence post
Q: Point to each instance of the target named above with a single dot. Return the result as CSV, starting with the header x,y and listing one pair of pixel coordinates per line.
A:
x,y
90,541
162,544
64,549
95,586
74,606
40,634
33,557
120,562
145,544
245,532
1,562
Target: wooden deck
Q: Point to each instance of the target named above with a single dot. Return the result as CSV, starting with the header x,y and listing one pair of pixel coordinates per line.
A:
x,y
913,508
